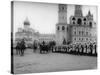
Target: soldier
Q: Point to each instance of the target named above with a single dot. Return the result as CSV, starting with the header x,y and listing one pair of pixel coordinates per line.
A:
x,y
94,52
18,48
91,48
95,46
85,49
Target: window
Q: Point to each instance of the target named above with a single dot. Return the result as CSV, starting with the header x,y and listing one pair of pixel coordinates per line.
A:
x,y
73,18
67,29
79,21
58,28
84,19
75,39
86,33
90,24
79,32
82,32
63,28
75,32
82,39
84,23
62,8
73,22
79,38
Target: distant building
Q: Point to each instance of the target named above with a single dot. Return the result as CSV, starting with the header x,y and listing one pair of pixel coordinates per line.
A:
x,y
26,33
29,34
46,37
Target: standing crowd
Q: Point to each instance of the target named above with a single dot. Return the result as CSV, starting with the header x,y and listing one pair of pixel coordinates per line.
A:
x,y
89,49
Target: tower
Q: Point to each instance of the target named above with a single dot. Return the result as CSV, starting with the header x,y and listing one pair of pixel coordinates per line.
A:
x,y
61,26
62,13
77,19
78,11
90,19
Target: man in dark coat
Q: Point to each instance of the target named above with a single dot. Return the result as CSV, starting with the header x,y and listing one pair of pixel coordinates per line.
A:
x,y
22,46
18,48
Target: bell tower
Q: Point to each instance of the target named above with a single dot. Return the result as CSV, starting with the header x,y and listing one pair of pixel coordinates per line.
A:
x,y
61,26
62,13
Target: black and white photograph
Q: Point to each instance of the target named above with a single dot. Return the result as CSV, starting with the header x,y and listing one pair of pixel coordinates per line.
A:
x,y
52,37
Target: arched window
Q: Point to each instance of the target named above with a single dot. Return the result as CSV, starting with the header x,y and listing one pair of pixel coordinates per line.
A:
x,y
73,22
73,18
58,28
84,19
79,21
90,24
63,28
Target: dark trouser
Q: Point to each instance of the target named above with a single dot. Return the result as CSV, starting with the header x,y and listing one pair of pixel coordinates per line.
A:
x,y
22,52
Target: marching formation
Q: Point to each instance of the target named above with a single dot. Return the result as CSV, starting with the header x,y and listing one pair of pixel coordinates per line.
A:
x,y
89,49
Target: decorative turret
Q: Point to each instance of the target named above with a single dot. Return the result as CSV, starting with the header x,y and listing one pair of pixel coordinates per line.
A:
x,y
89,16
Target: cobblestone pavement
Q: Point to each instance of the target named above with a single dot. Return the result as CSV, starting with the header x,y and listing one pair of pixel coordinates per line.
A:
x,y
35,62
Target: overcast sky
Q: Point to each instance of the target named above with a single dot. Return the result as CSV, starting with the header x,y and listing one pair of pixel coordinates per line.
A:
x,y
43,16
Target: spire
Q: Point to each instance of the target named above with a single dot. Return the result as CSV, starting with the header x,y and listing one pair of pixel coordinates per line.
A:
x,y
89,15
78,10
26,22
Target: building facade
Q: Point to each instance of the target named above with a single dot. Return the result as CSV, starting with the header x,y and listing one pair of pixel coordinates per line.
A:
x,y
26,33
82,27
79,30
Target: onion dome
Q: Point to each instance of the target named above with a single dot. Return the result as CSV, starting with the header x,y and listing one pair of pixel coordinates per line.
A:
x,y
26,22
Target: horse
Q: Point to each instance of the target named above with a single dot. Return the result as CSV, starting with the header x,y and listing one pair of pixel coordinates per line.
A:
x,y
44,48
22,47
